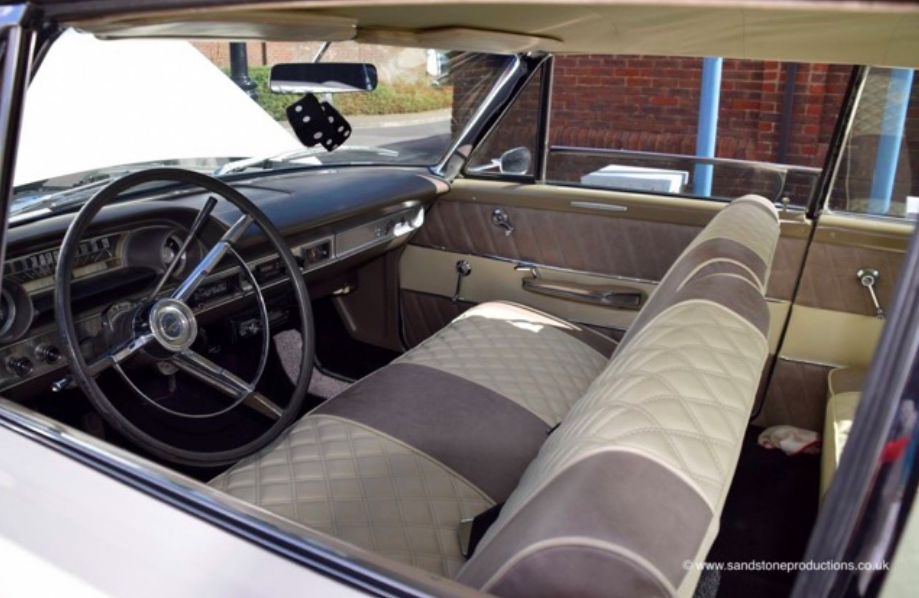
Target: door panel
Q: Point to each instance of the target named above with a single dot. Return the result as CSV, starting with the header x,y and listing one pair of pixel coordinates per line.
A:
x,y
796,395
573,235
834,338
429,313
432,271
833,321
583,241
786,265
842,245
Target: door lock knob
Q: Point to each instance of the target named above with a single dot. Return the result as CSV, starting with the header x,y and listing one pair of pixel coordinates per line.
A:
x,y
868,277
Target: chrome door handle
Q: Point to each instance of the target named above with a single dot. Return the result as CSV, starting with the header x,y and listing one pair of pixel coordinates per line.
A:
x,y
868,277
616,297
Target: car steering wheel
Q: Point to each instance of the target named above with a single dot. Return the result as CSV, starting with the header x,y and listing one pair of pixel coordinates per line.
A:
x,y
159,329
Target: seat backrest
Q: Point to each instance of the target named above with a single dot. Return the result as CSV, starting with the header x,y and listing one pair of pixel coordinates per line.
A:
x,y
739,241
631,485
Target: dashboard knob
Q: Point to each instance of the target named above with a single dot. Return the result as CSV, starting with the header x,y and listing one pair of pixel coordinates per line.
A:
x,y
48,354
20,366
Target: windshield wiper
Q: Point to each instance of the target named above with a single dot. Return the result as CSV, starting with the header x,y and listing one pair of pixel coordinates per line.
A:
x,y
29,208
53,201
287,157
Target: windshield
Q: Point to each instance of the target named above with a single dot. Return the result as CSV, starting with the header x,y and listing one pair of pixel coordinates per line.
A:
x,y
97,110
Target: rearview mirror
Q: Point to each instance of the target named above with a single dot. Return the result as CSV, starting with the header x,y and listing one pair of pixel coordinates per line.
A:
x,y
323,77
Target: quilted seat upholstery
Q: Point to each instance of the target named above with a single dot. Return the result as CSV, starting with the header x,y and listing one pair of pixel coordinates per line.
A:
x,y
613,461
355,470
494,345
364,487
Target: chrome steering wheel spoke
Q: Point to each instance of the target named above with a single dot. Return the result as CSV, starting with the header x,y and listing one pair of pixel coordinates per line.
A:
x,y
112,358
225,381
119,354
211,259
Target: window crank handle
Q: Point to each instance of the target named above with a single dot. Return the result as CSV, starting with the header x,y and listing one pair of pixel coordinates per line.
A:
x,y
868,277
463,269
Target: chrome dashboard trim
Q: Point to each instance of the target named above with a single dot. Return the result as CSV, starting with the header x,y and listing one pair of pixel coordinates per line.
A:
x,y
380,230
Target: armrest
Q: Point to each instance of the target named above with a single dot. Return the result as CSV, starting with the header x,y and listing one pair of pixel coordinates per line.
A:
x,y
619,297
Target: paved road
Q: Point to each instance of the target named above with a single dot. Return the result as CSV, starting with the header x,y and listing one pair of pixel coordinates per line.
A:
x,y
419,138
416,143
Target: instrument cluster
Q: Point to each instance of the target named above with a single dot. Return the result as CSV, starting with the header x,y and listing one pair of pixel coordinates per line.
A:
x,y
28,340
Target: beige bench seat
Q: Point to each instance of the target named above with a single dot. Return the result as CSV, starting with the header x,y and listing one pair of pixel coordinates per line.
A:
x,y
439,435
612,461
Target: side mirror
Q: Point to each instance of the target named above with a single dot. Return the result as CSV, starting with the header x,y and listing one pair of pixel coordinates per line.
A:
x,y
323,77
515,161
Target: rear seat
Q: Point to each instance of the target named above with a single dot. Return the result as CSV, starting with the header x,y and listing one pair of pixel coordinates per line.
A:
x,y
845,391
629,486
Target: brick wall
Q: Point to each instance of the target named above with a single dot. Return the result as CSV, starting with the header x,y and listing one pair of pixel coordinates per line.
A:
x,y
471,80
652,101
651,104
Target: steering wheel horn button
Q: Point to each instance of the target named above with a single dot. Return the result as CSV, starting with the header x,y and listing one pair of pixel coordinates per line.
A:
x,y
173,325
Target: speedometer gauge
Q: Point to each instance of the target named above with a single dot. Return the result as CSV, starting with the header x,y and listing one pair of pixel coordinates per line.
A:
x,y
16,311
7,312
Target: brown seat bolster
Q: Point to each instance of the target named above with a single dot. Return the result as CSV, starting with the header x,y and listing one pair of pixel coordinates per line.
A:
x,y
481,435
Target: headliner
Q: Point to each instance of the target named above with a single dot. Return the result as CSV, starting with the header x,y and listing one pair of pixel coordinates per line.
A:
x,y
879,33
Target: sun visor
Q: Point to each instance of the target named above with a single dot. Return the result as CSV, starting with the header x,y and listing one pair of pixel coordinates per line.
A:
x,y
257,25
477,40
461,39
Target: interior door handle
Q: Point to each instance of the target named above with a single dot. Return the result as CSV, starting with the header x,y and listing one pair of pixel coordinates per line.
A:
x,y
607,296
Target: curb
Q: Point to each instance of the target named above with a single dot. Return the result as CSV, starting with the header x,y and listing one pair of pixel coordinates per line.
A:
x,y
400,120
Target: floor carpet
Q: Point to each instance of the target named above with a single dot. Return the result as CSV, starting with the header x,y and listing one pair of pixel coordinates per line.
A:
x,y
768,516
337,352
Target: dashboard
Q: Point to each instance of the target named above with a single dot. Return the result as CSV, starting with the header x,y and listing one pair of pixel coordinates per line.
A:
x,y
332,221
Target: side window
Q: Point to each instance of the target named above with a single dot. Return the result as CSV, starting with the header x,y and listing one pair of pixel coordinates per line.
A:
x,y
879,171
634,122
510,148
